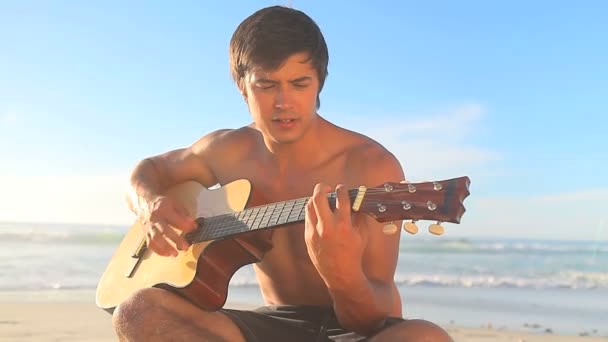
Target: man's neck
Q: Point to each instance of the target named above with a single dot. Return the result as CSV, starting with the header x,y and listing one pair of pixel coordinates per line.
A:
x,y
301,154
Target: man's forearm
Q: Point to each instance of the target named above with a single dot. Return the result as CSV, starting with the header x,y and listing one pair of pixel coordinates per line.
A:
x,y
362,305
145,184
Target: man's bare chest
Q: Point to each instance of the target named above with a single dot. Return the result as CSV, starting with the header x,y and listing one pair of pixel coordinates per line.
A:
x,y
268,186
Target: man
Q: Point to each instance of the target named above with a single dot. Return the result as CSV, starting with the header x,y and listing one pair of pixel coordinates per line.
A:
x,y
330,278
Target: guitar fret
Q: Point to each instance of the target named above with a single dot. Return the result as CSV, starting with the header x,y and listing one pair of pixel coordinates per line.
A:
x,y
220,226
288,213
266,216
211,225
262,217
241,215
269,216
245,217
294,214
264,222
259,218
274,217
302,215
282,219
251,219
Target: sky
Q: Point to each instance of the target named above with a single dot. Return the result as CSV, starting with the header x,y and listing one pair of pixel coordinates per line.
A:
x,y
513,94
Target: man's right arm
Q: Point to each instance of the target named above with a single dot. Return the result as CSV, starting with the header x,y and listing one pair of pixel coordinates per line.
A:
x,y
153,176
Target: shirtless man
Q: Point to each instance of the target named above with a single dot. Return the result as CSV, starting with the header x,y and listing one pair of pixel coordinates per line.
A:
x,y
329,279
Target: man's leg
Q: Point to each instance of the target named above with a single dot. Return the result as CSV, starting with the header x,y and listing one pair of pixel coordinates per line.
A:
x,y
415,330
158,315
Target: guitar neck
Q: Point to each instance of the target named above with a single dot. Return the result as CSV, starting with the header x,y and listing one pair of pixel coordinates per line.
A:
x,y
261,217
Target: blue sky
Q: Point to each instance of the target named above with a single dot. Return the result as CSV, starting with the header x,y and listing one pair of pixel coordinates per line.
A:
x,y
512,94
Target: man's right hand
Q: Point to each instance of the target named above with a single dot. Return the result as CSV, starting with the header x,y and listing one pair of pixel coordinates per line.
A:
x,y
159,219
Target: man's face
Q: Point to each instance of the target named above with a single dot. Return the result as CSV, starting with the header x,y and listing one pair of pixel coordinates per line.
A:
x,y
283,102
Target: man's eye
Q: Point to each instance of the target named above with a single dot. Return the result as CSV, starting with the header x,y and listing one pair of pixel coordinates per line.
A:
x,y
264,86
300,86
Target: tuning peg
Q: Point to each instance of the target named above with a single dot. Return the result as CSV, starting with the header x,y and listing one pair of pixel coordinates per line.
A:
x,y
390,229
436,228
410,227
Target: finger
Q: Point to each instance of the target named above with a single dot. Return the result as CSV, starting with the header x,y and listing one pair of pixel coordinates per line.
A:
x,y
170,234
310,222
148,238
159,244
321,202
161,247
343,204
180,219
311,214
190,221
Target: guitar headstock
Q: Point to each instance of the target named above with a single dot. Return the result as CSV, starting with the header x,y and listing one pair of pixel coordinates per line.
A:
x,y
440,201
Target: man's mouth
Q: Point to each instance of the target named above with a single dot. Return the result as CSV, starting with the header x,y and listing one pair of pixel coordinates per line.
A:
x,y
285,123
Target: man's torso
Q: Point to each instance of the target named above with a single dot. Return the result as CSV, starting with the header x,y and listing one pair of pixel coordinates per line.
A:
x,y
286,273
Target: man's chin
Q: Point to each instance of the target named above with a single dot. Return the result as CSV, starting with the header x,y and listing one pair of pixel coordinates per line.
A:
x,y
286,139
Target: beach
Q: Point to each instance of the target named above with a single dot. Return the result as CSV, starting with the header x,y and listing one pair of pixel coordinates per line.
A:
x,y
477,289
65,320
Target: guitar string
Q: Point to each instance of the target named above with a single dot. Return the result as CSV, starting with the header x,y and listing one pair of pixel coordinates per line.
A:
x,y
249,217
332,196
218,226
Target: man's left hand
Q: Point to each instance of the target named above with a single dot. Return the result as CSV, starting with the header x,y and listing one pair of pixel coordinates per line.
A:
x,y
334,245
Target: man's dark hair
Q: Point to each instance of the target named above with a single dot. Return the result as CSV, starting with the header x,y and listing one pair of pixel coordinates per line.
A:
x,y
269,36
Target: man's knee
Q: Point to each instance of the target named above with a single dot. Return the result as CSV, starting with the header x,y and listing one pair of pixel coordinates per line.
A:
x,y
142,306
414,330
132,309
156,312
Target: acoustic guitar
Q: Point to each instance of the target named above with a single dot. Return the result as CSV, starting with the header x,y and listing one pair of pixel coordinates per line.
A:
x,y
230,235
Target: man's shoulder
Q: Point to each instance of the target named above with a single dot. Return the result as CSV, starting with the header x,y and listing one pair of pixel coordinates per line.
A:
x,y
370,160
361,146
228,138
232,134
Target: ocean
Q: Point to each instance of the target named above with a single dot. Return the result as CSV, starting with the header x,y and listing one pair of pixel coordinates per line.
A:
x,y
530,285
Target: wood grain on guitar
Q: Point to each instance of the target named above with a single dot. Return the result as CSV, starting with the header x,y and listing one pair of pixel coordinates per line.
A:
x,y
230,235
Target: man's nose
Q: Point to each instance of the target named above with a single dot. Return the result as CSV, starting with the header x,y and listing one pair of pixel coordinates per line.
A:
x,y
283,100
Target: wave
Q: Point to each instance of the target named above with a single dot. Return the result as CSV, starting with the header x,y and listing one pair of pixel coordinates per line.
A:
x,y
564,280
72,233
567,280
44,287
561,279
61,234
573,280
466,246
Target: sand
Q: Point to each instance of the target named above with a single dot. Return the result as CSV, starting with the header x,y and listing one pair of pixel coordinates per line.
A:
x,y
73,321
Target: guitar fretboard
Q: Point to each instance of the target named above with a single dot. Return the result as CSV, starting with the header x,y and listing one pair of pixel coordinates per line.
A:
x,y
266,216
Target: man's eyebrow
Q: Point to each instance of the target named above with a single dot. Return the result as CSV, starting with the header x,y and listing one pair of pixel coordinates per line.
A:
x,y
301,79
297,80
265,80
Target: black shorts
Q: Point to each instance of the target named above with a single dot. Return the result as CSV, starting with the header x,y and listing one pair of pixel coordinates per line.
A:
x,y
295,324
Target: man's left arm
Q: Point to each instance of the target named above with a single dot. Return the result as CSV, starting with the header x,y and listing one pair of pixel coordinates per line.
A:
x,y
355,258
370,296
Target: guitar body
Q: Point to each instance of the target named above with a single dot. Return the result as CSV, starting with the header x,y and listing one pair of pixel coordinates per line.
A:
x,y
202,273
